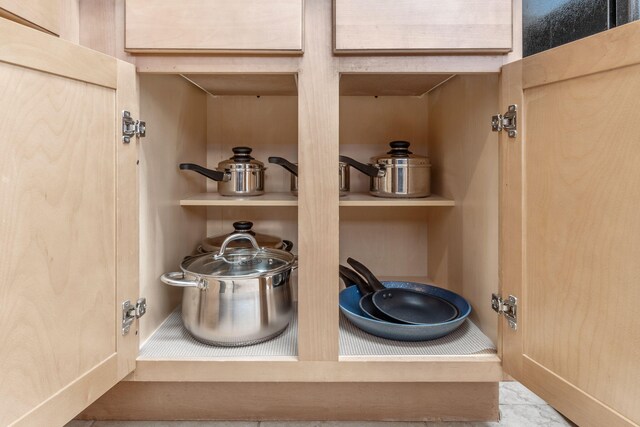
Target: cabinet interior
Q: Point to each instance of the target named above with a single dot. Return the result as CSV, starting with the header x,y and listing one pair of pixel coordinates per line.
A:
x,y
447,119
449,239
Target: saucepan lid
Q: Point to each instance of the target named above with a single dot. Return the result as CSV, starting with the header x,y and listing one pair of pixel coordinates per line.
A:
x,y
213,243
240,262
400,155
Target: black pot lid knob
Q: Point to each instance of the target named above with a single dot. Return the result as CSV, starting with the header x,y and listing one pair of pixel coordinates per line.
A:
x,y
243,225
399,148
241,154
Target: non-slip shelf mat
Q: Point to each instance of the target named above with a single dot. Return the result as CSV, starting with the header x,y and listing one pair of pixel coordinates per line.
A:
x,y
172,342
468,339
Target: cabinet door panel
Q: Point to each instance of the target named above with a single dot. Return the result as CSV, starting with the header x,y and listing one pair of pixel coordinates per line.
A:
x,y
44,14
422,25
213,25
576,190
58,188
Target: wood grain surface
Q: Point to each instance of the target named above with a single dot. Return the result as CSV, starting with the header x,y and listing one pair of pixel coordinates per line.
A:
x,y
291,401
422,25
582,194
57,203
214,25
176,115
46,15
463,241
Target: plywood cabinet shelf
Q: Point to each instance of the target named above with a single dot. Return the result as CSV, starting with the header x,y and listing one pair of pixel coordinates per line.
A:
x,y
365,199
215,199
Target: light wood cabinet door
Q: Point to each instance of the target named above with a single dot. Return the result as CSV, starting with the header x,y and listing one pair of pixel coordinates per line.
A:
x,y
245,26
44,14
67,191
412,26
570,202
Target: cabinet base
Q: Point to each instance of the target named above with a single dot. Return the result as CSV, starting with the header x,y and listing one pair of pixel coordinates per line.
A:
x,y
130,400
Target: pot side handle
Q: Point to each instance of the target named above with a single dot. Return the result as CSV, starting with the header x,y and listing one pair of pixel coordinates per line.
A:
x,y
177,279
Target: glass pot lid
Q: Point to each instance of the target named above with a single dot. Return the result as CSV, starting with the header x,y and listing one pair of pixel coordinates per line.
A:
x,y
400,155
240,262
213,243
241,160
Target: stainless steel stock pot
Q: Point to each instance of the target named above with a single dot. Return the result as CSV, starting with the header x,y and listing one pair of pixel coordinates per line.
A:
x,y
237,296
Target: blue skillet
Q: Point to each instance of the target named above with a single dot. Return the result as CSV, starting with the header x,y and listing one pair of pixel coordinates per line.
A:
x,y
350,308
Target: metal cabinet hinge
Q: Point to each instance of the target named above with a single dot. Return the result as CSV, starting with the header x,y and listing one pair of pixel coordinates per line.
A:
x,y
132,312
507,307
507,121
131,127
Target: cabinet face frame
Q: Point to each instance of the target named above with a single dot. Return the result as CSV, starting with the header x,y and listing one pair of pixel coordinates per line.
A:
x,y
567,232
88,86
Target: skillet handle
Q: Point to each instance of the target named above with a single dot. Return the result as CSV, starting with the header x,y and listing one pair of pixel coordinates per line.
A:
x,y
177,279
350,277
374,283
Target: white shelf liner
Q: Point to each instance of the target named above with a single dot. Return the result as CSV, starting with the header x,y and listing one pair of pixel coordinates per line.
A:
x,y
172,342
468,339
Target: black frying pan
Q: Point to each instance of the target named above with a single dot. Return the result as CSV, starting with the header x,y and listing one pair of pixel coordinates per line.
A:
x,y
366,304
404,305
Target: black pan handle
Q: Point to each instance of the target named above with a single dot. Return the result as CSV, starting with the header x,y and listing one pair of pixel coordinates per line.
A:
x,y
374,283
369,170
285,164
351,277
287,245
209,173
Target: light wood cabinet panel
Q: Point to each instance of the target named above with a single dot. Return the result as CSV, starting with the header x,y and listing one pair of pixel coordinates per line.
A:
x,y
43,14
58,204
579,333
214,25
422,25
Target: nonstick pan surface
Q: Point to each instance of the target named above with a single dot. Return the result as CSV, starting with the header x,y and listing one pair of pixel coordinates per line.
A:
x,y
349,306
408,306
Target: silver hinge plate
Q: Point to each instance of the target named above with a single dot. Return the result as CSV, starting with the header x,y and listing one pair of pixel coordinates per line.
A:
x,y
507,121
507,307
131,127
132,312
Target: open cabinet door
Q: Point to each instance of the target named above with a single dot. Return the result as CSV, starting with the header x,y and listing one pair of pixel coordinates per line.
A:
x,y
570,226
68,226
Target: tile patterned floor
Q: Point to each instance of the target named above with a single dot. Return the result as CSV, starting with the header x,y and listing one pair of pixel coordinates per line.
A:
x,y
519,407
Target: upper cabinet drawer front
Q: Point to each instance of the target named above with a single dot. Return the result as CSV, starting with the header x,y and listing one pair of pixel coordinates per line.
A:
x,y
214,25
45,14
423,25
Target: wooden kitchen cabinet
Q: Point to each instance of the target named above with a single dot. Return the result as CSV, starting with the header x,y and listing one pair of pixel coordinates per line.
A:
x,y
548,216
247,26
412,26
43,14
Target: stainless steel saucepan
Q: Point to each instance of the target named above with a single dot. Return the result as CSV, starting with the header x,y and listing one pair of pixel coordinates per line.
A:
x,y
238,296
241,175
343,171
399,173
